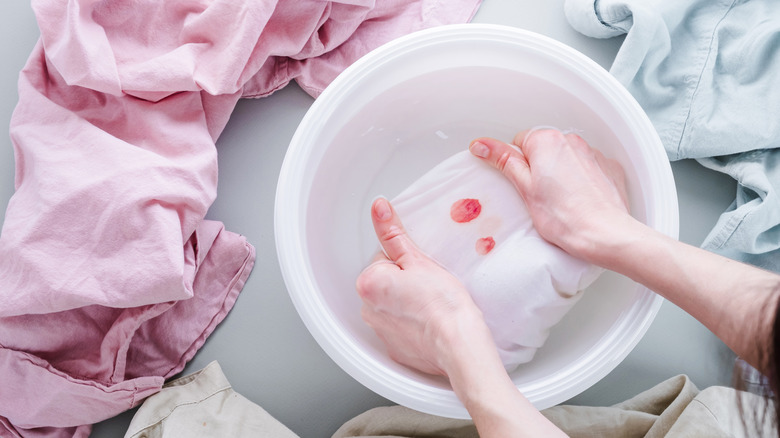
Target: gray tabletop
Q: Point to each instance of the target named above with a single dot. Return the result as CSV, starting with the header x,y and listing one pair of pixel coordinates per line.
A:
x,y
264,348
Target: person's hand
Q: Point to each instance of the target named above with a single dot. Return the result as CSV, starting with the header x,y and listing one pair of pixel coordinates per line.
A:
x,y
413,304
575,196
428,321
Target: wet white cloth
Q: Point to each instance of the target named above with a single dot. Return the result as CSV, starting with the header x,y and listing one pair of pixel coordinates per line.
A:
x,y
522,284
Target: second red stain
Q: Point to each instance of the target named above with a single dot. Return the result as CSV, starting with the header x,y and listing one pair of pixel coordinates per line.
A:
x,y
465,210
485,245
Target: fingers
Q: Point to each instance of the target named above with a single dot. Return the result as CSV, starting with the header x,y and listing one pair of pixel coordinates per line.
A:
x,y
614,171
531,139
506,158
381,257
375,279
522,137
577,142
529,142
378,278
391,233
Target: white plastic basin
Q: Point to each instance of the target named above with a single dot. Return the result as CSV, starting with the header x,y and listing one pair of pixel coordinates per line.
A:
x,y
396,113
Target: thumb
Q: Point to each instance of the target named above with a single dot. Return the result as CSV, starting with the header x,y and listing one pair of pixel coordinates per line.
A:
x,y
391,233
508,159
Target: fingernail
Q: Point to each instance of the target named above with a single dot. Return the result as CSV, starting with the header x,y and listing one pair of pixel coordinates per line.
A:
x,y
479,149
382,210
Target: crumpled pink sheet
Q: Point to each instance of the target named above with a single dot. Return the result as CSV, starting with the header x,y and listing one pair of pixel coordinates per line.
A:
x,y
111,279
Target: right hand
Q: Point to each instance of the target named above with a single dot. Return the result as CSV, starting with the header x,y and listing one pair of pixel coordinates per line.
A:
x,y
576,197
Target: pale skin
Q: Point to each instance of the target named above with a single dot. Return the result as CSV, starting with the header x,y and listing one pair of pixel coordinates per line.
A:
x,y
577,200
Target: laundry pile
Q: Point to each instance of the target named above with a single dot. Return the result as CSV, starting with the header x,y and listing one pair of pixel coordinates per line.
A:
x,y
111,279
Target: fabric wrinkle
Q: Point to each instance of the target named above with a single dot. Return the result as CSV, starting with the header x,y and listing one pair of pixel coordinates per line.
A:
x,y
706,54
203,403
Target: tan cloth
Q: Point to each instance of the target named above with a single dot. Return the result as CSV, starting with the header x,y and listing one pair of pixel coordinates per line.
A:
x,y
674,408
204,404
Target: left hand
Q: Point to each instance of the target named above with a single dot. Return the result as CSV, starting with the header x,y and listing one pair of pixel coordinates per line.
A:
x,y
428,321
413,304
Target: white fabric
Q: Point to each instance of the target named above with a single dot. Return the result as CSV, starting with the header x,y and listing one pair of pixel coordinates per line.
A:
x,y
524,285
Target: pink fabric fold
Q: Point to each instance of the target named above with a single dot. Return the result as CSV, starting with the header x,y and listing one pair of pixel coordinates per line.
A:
x,y
111,278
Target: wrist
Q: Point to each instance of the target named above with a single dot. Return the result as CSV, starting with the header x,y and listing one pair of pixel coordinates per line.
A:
x,y
470,360
603,242
459,337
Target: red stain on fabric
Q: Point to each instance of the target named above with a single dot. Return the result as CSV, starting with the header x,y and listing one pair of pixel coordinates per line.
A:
x,y
465,210
485,245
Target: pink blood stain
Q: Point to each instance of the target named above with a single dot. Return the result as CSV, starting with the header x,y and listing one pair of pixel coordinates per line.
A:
x,y
465,210
485,245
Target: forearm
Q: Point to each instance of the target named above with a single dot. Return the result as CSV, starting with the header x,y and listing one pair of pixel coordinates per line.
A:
x,y
481,383
500,410
735,301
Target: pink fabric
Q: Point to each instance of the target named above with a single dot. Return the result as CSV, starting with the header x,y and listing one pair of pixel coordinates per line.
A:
x,y
111,278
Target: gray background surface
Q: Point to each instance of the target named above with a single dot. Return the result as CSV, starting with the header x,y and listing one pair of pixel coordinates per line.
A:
x,y
264,348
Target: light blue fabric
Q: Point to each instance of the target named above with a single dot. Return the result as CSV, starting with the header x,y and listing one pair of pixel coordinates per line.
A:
x,y
707,72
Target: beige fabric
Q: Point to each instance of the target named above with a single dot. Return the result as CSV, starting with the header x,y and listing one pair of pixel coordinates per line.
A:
x,y
203,404
720,405
398,421
649,414
673,409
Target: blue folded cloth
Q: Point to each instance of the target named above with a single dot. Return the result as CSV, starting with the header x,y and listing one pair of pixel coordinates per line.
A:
x,y
707,72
